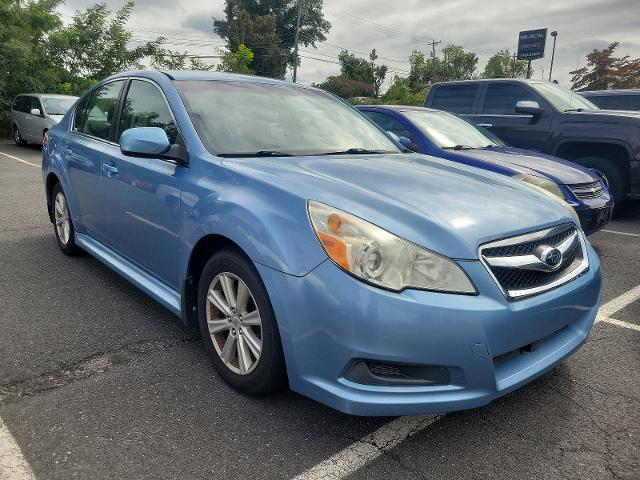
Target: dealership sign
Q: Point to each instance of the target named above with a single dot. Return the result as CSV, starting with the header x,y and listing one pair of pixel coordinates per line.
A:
x,y
531,44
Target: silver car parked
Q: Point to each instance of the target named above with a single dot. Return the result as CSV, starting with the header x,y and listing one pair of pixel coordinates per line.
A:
x,y
33,114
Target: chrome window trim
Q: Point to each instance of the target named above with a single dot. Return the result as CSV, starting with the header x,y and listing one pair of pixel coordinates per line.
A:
x,y
514,295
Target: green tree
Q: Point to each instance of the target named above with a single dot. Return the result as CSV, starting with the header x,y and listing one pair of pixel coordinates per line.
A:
x,y
168,60
96,44
604,71
503,65
24,65
238,61
400,93
379,73
268,29
346,87
457,64
355,68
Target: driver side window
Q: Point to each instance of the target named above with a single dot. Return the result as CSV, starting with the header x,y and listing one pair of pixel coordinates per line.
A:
x,y
501,98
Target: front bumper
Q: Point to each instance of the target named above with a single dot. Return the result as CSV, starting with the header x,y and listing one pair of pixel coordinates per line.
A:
x,y
594,219
328,320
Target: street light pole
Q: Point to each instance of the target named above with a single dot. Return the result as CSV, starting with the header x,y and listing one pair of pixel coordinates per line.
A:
x,y
554,34
295,56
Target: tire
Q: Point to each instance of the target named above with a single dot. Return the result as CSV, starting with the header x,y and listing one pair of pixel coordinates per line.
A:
x,y
614,177
17,137
261,372
62,223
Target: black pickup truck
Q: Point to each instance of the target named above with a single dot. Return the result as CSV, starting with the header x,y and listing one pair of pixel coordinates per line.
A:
x,y
552,119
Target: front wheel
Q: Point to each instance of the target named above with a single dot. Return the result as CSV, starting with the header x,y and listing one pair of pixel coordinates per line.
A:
x,y
613,176
238,325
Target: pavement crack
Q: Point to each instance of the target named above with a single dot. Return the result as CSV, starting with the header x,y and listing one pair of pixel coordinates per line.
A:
x,y
12,392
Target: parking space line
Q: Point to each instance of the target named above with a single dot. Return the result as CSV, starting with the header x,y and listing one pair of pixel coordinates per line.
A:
x,y
620,323
13,465
20,160
621,233
612,306
368,448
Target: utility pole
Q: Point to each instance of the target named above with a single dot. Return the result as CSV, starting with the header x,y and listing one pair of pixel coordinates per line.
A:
x,y
554,34
433,44
295,56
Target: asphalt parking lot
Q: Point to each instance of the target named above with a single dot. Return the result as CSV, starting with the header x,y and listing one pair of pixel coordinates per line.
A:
x,y
100,381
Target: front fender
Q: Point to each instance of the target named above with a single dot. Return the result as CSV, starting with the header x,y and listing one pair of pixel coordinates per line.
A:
x,y
269,224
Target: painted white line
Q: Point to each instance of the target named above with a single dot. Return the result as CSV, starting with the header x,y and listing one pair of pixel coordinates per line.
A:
x,y
368,448
608,309
13,465
622,233
620,323
20,160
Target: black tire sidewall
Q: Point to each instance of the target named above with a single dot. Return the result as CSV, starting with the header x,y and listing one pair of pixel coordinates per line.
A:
x,y
615,177
270,373
20,142
70,247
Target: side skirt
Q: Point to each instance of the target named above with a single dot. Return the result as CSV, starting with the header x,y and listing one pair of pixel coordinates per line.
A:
x,y
141,279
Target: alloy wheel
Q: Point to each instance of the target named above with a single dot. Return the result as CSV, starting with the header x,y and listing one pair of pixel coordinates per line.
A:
x,y
234,323
16,136
61,213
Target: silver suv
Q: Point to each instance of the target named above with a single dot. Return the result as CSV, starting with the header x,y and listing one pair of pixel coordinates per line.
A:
x,y
33,114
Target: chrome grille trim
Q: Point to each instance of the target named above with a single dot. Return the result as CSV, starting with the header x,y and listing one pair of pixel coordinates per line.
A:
x,y
572,243
587,190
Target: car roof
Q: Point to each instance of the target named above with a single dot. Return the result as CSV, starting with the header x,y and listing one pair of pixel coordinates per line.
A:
x,y
401,108
628,91
48,95
486,80
203,75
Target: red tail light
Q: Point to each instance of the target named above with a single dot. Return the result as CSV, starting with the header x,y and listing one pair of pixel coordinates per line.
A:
x,y
45,139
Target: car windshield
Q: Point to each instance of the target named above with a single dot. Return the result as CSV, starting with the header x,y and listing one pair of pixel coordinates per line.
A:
x,y
449,131
249,118
562,98
57,105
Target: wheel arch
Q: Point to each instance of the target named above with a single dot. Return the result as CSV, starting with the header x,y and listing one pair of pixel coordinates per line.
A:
x,y
617,152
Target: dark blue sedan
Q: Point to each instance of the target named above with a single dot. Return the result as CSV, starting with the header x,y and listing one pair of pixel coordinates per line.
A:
x,y
449,136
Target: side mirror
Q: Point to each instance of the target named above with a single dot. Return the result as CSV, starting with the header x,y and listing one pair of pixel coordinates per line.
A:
x,y
529,107
407,143
36,112
144,142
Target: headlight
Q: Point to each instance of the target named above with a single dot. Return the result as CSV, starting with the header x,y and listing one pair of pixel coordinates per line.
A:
x,y
550,189
381,258
540,182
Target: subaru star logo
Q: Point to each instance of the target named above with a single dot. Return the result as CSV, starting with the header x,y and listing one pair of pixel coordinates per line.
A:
x,y
550,256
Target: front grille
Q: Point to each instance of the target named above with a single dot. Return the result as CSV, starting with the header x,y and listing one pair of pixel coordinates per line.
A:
x,y
587,190
518,264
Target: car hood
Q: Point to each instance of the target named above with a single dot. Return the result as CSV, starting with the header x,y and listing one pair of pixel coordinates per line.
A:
x,y
56,118
608,114
534,163
443,205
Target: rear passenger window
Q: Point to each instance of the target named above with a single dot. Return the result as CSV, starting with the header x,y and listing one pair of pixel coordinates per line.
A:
x,y
502,98
145,106
101,110
617,102
455,98
16,104
389,124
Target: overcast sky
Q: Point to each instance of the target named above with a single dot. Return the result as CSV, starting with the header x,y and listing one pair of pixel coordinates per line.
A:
x,y
397,28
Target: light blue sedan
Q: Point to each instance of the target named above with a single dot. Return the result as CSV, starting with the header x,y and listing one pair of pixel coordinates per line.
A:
x,y
312,250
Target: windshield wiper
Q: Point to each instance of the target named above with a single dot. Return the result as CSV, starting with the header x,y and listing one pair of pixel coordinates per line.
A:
x,y
353,151
458,147
261,153
574,110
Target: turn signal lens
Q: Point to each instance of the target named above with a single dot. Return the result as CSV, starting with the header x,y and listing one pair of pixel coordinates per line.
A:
x,y
381,258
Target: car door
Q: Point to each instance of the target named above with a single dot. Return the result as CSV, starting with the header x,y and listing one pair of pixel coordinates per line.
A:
x,y
141,195
91,132
37,123
498,115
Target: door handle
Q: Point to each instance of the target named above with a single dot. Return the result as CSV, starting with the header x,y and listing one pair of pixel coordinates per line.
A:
x,y
110,170
485,125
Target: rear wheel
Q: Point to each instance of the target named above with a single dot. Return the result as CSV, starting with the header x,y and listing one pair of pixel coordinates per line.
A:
x,y
62,224
238,325
17,138
613,175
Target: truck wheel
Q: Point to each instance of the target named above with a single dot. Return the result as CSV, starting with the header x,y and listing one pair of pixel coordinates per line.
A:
x,y
613,174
